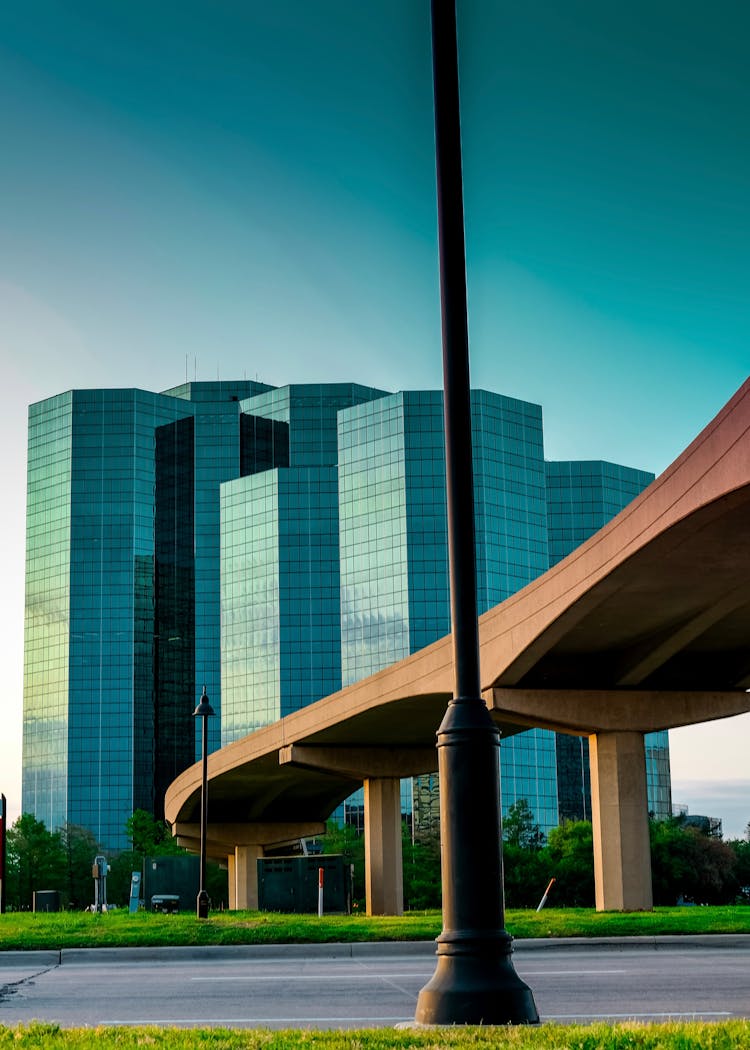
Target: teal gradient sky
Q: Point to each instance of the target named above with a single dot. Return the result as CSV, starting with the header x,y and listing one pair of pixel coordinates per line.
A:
x,y
234,189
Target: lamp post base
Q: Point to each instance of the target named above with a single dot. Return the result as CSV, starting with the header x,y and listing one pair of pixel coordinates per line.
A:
x,y
203,903
475,983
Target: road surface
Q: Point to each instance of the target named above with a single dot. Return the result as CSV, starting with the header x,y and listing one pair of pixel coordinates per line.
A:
x,y
363,985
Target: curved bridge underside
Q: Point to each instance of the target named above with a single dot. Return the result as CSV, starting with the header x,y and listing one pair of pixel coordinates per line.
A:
x,y
645,626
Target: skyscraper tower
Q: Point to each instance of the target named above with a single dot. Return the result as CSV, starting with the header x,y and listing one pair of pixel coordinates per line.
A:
x,y
122,594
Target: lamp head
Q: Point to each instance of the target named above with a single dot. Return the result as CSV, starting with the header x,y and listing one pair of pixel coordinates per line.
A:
x,y
204,709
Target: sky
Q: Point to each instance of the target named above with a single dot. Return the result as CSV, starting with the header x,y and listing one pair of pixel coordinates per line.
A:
x,y
242,189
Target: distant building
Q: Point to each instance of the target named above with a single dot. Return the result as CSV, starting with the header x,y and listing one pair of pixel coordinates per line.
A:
x,y
274,545
711,826
582,496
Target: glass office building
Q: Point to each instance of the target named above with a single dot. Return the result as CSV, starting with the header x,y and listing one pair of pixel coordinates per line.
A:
x,y
281,620
272,545
394,539
582,496
122,594
394,547
280,584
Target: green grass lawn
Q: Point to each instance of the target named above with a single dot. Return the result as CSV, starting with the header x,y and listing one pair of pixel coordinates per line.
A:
x,y
724,1035
24,930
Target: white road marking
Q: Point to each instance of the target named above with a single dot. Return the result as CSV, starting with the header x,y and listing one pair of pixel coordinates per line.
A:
x,y
636,1016
391,975
566,973
292,1021
313,977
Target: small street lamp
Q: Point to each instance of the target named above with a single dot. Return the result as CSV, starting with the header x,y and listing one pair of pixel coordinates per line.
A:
x,y
203,711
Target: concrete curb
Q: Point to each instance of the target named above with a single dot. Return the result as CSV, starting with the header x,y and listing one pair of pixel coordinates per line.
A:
x,y
39,960
353,950
665,942
241,952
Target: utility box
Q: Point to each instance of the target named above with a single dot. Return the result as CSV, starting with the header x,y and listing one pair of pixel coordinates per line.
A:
x,y
176,876
179,875
46,900
166,903
290,884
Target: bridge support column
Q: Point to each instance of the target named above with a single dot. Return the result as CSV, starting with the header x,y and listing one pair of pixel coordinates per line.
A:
x,y
619,803
384,884
243,877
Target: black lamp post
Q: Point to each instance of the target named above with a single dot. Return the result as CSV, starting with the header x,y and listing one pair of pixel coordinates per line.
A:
x,y
203,711
474,981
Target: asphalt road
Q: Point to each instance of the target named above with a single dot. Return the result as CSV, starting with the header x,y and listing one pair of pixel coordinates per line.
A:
x,y
364,986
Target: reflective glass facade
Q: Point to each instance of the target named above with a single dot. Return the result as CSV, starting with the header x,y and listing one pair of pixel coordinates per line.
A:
x,y
88,687
280,594
309,411
174,605
46,648
394,545
217,459
281,635
375,622
122,595
582,496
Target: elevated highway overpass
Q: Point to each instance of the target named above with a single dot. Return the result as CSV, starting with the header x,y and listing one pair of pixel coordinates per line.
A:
x,y
646,626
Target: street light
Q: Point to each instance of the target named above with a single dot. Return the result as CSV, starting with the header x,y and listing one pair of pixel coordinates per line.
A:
x,y
474,981
203,711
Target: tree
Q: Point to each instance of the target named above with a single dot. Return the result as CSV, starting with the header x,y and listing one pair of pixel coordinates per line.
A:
x,y
344,839
670,860
526,874
79,847
570,851
421,868
741,850
687,863
525,861
35,861
713,880
150,837
519,828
